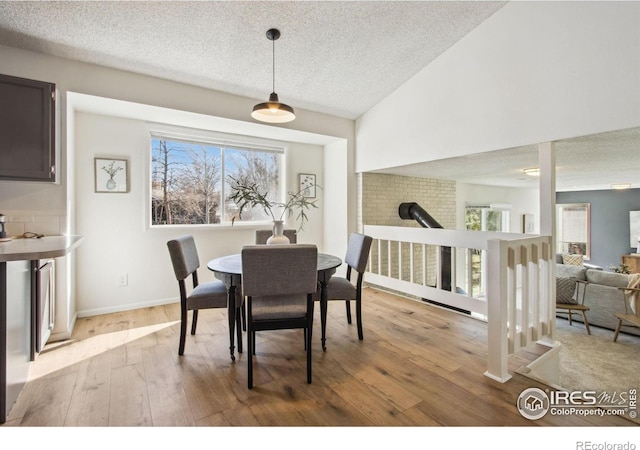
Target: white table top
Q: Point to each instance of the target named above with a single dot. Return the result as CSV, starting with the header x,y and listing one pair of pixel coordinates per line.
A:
x,y
23,249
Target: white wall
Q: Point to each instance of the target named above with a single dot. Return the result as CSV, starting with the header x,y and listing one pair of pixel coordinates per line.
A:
x,y
210,106
533,72
117,238
522,201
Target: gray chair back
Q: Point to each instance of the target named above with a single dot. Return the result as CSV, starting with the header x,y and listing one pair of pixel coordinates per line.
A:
x,y
263,235
358,251
184,256
275,270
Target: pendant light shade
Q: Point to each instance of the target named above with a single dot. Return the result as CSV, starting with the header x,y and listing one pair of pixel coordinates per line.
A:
x,y
273,111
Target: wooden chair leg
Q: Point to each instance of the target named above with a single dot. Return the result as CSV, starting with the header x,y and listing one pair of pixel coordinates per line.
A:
x,y
238,329
251,352
586,322
570,318
253,339
194,321
348,305
308,331
615,336
183,328
359,318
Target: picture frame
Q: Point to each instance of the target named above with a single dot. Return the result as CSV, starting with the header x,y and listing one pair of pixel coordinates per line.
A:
x,y
307,183
528,223
111,175
634,229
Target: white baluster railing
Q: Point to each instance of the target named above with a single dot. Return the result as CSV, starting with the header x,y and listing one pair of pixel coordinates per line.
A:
x,y
518,306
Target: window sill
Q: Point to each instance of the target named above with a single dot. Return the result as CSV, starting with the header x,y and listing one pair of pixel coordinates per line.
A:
x,y
215,226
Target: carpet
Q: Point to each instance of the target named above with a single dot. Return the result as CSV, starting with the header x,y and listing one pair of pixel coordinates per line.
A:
x,y
595,362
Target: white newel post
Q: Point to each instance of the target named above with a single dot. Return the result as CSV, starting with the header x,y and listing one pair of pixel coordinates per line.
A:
x,y
497,308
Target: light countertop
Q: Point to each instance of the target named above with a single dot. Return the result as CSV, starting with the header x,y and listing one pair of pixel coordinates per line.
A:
x,y
22,249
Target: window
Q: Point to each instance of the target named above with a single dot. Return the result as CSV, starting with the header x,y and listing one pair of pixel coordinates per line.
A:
x,y
190,179
487,217
483,217
572,229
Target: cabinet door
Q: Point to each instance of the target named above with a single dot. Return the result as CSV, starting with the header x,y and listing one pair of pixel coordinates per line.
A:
x,y
27,129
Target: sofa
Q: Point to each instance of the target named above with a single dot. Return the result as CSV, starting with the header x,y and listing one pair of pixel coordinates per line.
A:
x,y
602,295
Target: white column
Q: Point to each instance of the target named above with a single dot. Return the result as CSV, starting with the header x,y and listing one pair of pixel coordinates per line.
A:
x,y
547,162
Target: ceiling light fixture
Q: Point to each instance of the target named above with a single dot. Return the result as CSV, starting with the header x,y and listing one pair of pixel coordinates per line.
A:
x,y
621,185
273,111
532,172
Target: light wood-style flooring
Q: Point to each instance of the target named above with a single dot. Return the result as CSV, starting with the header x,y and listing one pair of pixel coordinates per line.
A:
x,y
418,365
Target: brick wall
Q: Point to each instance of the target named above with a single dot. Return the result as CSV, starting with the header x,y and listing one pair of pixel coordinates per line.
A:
x,y
379,198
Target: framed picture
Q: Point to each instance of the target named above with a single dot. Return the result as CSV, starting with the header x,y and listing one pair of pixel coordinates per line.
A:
x,y
111,175
634,229
527,223
308,185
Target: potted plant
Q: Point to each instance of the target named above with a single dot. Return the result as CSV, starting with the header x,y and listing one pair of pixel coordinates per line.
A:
x,y
246,194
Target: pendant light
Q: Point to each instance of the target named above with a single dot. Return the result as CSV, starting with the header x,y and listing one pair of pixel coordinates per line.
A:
x,y
273,111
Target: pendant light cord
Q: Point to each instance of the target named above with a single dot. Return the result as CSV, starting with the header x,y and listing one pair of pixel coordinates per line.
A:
x,y
273,66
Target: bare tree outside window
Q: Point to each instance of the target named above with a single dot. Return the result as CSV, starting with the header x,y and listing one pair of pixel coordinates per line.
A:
x,y
256,167
187,180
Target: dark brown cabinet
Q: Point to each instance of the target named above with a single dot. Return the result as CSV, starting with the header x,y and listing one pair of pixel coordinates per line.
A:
x,y
27,129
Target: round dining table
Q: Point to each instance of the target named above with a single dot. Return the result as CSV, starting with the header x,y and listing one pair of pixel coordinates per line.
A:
x,y
229,270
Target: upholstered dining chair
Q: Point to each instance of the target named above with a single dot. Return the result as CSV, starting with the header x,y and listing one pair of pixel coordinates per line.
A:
x,y
343,288
212,294
278,282
263,235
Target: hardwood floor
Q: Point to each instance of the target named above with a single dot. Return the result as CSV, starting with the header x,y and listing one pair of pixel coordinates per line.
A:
x,y
417,366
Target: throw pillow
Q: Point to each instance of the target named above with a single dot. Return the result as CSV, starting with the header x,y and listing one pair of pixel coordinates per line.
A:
x,y
572,260
565,290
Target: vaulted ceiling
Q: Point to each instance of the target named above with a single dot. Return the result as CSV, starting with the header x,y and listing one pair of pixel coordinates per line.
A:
x,y
339,58
334,57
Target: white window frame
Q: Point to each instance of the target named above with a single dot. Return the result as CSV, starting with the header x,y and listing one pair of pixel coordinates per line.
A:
x,y
154,130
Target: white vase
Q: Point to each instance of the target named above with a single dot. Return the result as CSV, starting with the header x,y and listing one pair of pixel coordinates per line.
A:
x,y
278,236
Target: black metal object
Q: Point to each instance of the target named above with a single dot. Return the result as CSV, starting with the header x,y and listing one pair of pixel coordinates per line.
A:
x,y
413,211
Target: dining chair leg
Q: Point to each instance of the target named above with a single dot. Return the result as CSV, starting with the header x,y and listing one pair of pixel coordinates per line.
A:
x,y
194,321
348,305
244,318
231,313
251,350
183,327
359,318
253,339
251,342
308,333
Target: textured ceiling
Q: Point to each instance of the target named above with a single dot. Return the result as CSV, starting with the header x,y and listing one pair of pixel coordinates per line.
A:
x,y
340,58
584,163
334,57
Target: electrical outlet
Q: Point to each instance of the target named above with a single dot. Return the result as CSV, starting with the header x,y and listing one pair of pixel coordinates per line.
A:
x,y
123,280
